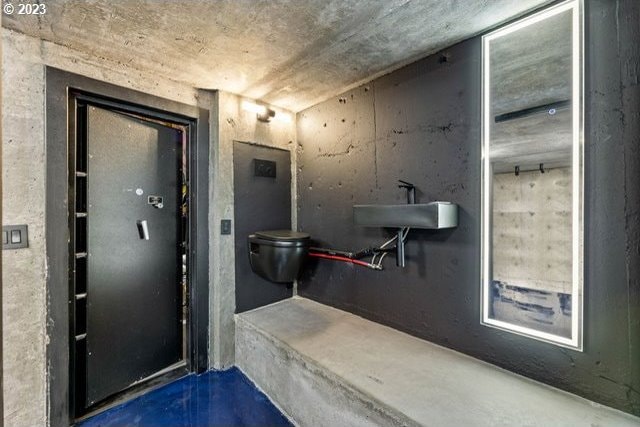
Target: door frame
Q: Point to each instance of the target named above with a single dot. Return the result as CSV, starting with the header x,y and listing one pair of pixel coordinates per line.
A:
x,y
62,88
79,102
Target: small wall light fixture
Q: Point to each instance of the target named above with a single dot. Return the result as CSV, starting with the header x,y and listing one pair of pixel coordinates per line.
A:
x,y
266,116
263,113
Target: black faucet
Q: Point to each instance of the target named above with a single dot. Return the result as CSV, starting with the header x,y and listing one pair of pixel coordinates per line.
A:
x,y
411,191
411,199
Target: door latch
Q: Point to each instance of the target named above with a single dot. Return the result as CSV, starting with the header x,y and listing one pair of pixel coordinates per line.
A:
x,y
155,201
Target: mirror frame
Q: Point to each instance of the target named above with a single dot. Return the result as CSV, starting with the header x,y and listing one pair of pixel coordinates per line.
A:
x,y
577,171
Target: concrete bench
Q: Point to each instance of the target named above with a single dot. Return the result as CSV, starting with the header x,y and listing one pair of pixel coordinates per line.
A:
x,y
327,367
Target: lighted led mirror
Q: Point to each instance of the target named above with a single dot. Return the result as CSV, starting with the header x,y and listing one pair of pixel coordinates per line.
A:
x,y
532,177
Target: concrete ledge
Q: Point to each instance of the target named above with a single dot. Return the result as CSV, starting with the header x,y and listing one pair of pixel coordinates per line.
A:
x,y
327,367
305,392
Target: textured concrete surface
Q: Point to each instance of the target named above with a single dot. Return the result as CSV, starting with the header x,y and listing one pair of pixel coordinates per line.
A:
x,y
306,391
23,270
531,240
422,124
531,250
232,123
333,360
524,76
289,53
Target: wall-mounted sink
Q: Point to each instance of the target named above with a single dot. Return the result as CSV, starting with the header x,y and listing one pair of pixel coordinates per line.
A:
x,y
434,215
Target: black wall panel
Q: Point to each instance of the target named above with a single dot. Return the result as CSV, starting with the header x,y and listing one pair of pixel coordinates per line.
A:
x,y
261,203
422,124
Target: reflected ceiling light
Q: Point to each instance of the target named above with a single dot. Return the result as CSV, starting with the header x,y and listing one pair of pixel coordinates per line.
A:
x,y
263,113
284,117
253,107
266,116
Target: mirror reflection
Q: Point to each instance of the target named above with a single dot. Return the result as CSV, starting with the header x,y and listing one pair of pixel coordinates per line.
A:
x,y
531,171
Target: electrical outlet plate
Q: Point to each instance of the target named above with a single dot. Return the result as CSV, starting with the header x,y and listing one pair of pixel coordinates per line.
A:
x,y
15,236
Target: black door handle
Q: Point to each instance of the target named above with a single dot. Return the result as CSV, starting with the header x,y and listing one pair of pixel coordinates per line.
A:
x,y
143,229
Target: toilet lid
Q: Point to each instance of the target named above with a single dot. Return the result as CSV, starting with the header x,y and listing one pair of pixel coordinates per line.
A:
x,y
284,235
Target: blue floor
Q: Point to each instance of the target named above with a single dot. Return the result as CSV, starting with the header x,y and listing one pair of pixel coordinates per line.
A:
x,y
222,398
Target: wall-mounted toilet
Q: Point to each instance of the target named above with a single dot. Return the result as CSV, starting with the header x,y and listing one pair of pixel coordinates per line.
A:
x,y
278,255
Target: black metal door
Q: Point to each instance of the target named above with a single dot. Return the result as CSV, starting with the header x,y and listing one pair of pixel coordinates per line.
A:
x,y
134,266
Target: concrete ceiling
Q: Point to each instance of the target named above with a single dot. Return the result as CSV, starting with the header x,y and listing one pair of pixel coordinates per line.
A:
x,y
291,53
529,68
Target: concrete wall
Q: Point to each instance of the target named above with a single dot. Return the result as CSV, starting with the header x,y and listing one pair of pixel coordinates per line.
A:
x,y
422,124
531,241
23,166
234,124
531,249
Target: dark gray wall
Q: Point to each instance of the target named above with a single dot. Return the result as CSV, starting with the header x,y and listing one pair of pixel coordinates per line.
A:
x,y
260,204
422,124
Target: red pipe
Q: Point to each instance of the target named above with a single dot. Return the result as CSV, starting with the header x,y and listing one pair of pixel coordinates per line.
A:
x,y
339,258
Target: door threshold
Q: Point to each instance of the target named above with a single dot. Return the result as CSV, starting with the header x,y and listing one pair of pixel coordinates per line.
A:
x,y
139,388
161,372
